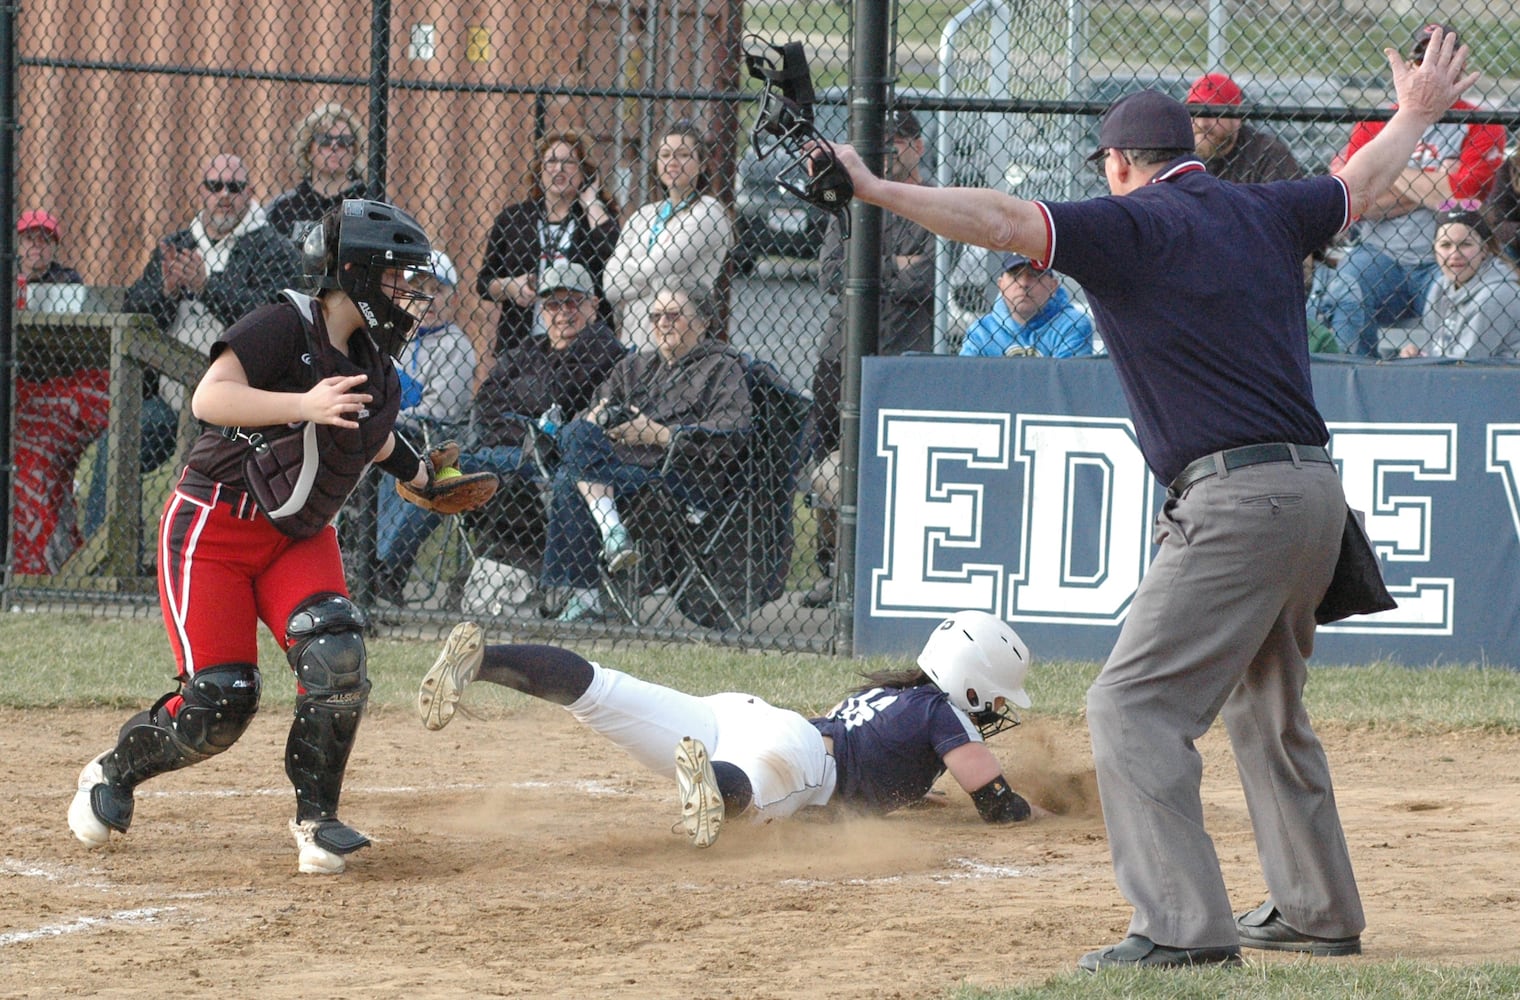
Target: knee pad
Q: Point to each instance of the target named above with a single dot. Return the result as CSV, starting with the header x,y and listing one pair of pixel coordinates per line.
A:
x,y
326,633
219,703
734,786
215,707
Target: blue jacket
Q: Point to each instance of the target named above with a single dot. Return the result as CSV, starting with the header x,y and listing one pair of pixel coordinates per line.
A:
x,y
1060,330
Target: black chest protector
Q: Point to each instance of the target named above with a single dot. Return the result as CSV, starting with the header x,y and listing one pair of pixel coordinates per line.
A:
x,y
301,479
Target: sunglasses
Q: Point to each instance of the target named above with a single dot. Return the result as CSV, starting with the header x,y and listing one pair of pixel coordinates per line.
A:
x,y
231,187
342,140
566,304
668,316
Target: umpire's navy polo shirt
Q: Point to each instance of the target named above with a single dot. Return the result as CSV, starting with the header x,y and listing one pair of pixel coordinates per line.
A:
x,y
1197,286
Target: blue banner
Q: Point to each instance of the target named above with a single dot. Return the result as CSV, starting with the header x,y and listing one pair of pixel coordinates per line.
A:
x,y
1015,486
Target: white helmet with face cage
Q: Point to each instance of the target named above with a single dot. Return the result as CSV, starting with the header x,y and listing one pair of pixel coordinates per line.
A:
x,y
976,658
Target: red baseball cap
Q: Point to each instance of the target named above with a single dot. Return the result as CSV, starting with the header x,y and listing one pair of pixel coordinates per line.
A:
x,y
1214,88
1422,39
37,219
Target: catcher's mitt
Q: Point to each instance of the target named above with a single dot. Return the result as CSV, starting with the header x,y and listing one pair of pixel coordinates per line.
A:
x,y
449,491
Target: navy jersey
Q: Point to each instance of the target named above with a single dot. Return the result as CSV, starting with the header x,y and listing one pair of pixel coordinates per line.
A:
x,y
890,743
1210,345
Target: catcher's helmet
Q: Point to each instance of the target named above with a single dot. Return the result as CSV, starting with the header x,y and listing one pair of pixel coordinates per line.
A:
x,y
355,247
975,658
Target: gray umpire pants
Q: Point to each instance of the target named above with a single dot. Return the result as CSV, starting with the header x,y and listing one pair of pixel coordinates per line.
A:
x,y
1224,620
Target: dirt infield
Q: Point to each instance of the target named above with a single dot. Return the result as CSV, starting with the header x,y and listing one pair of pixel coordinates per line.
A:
x,y
520,856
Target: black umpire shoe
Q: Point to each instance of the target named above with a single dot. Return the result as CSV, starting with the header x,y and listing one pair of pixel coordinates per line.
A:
x,y
1139,951
1264,928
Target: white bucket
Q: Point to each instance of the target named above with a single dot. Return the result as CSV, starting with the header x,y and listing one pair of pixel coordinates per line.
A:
x,y
50,298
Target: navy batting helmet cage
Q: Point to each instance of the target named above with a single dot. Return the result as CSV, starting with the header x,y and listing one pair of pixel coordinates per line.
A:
x,y
353,249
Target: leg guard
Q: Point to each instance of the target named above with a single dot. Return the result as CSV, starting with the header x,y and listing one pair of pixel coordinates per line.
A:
x,y
215,707
327,654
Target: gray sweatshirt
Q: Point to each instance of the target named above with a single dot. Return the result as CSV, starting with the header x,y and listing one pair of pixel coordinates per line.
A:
x,y
1479,320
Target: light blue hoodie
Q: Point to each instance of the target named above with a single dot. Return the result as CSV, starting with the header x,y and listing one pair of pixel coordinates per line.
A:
x,y
1060,330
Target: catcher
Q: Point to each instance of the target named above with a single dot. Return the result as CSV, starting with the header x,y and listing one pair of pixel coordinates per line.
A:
x,y
879,749
299,398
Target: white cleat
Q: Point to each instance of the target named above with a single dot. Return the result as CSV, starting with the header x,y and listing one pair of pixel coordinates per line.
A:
x,y
88,827
701,801
445,681
315,859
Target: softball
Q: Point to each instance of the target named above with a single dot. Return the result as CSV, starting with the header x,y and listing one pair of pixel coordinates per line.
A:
x,y
448,472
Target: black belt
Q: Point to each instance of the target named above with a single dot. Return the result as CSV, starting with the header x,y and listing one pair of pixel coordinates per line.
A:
x,y
1238,458
198,486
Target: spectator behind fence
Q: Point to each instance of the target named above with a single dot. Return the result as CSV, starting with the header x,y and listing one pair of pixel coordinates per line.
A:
x,y
543,382
683,237
328,148
1502,209
227,261
198,281
547,380
1384,276
1231,149
568,216
1033,315
688,381
57,416
906,323
437,371
37,237
1472,309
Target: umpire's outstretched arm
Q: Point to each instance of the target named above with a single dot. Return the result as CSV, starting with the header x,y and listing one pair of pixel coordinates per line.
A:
x,y
987,218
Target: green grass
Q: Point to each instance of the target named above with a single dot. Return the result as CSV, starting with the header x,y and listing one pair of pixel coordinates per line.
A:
x,y
1307,980
62,660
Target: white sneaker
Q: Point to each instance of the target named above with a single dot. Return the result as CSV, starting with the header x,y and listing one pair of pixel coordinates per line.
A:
x,y
456,666
701,802
87,826
618,550
315,859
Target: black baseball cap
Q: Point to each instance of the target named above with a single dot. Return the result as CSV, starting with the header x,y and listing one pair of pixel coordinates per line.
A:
x,y
1421,39
1146,120
1014,261
1461,214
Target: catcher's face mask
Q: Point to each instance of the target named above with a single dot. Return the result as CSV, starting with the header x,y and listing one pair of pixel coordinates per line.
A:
x,y
784,129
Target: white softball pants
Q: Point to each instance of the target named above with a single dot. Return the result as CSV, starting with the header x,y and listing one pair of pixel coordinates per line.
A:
x,y
780,752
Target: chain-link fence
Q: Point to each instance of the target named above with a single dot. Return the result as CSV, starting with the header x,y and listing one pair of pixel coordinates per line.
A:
x,y
609,234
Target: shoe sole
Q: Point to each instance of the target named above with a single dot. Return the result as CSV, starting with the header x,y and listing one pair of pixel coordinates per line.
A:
x,y
445,681
701,801
1093,963
88,828
1320,949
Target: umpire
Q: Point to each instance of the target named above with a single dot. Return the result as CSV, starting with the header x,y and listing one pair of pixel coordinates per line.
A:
x,y
1197,285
